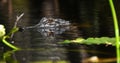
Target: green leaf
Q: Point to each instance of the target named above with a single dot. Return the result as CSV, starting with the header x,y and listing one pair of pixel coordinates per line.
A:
x,y
90,41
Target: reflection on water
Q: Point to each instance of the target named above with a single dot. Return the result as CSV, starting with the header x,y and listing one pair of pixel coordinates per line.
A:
x,y
51,55
44,42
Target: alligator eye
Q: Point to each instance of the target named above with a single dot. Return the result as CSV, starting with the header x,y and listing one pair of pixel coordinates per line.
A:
x,y
21,29
50,20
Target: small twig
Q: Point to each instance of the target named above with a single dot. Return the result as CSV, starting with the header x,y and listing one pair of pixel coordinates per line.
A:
x,y
16,22
17,19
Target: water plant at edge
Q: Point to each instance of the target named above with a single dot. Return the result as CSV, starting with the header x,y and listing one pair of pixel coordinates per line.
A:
x,y
116,27
4,37
103,40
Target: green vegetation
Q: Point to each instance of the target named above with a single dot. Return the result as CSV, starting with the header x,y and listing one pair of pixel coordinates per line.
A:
x,y
90,41
116,27
8,44
4,37
103,40
49,61
7,57
2,62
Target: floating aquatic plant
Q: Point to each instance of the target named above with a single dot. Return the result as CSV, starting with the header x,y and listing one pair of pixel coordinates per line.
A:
x,y
90,41
103,40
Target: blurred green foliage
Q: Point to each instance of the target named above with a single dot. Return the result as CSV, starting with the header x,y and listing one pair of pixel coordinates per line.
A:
x,y
90,41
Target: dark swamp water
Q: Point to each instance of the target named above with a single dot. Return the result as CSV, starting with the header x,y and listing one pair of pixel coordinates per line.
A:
x,y
87,19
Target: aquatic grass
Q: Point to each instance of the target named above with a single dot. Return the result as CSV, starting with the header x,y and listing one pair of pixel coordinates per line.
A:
x,y
116,28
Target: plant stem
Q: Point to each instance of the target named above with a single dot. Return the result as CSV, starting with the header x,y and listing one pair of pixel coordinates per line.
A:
x,y
11,33
116,27
8,44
